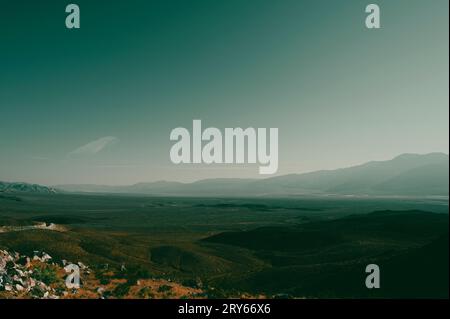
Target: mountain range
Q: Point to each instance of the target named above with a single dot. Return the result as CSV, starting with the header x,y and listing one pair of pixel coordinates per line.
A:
x,y
405,175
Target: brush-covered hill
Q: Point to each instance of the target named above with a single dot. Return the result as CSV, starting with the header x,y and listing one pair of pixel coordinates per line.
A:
x,y
328,258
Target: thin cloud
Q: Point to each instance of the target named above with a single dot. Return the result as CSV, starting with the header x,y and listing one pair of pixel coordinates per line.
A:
x,y
95,147
39,158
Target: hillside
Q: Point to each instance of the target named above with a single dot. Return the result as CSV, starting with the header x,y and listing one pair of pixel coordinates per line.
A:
x,y
328,258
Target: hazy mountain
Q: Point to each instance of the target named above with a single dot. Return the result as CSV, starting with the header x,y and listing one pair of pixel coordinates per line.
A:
x,y
431,179
140,188
6,187
407,174
202,187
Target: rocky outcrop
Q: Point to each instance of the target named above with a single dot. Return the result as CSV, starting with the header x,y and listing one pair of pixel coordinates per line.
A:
x,y
30,277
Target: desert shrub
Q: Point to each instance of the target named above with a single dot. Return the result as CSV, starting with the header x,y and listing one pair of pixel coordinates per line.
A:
x,y
146,293
216,294
104,276
190,283
46,274
121,289
134,273
37,292
104,281
164,288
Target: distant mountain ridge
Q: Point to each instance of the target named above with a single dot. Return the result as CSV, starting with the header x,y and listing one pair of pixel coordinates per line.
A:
x,y
8,187
405,175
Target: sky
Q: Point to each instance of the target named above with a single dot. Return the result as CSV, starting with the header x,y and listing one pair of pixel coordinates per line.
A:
x,y
96,105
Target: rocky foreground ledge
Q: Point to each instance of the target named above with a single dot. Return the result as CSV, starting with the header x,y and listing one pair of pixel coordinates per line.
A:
x,y
33,277
41,277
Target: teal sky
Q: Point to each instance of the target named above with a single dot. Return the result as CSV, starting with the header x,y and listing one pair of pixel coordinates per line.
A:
x,y
339,93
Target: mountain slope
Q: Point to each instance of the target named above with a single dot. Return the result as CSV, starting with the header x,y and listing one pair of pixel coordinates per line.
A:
x,y
431,179
407,174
